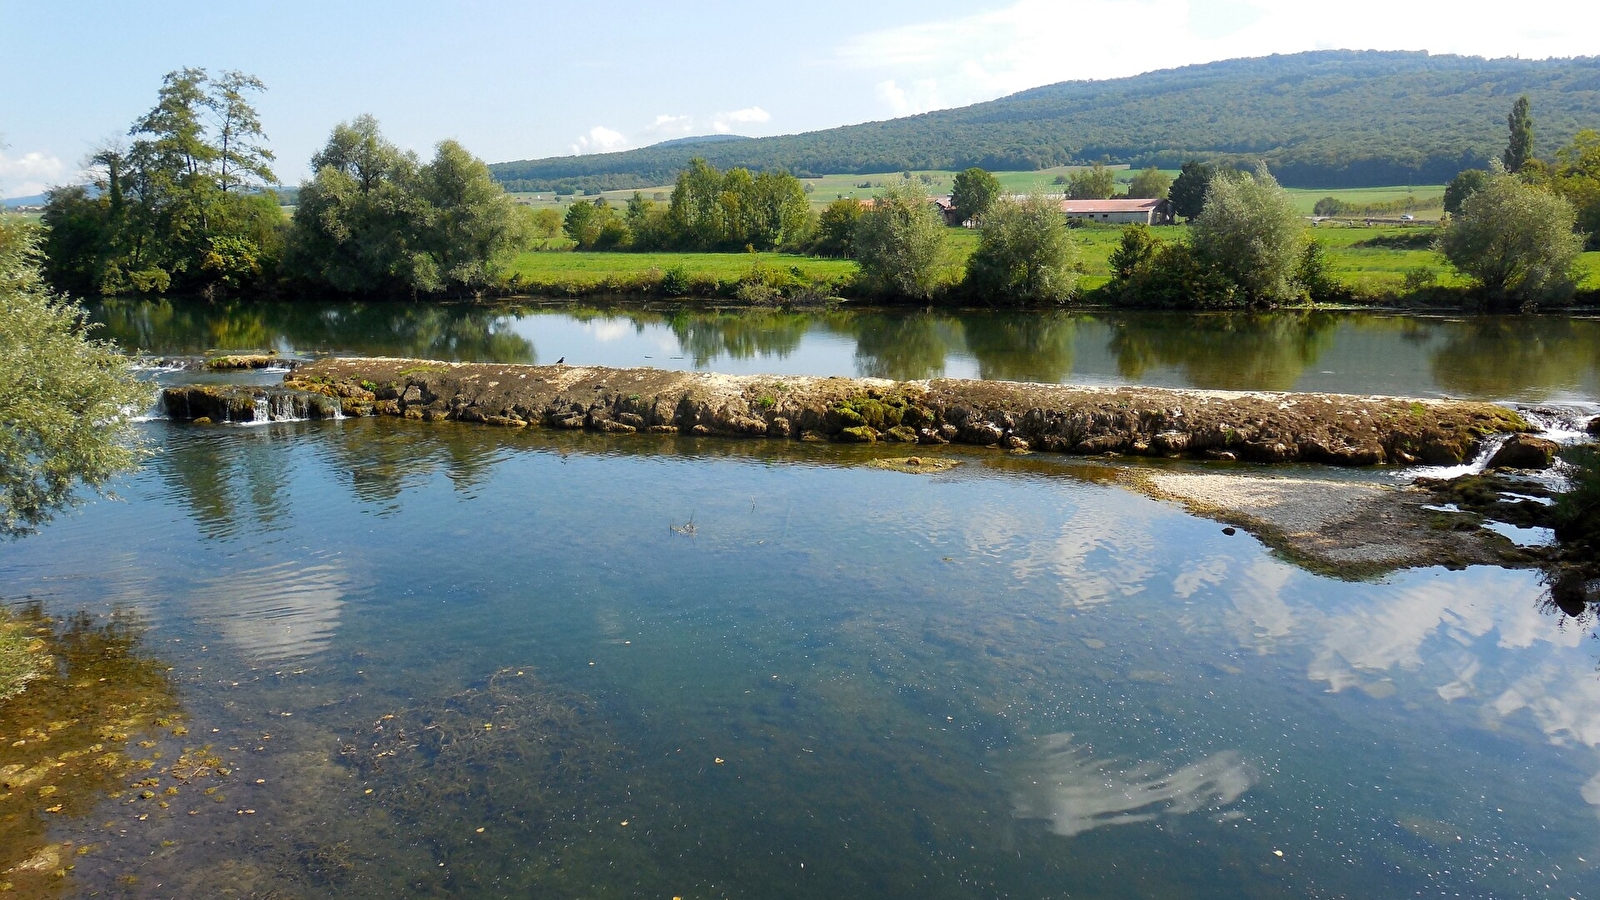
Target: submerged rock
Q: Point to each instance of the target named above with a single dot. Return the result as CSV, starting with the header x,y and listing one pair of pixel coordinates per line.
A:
x,y
1248,426
1524,451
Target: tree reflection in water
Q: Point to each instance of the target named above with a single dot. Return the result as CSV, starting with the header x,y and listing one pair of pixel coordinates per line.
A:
x,y
1224,351
1524,357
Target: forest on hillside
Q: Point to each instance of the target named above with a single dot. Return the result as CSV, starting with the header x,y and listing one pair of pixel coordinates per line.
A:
x,y
1334,118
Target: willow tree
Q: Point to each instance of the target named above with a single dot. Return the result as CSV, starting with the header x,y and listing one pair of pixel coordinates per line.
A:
x,y
66,400
1516,241
899,241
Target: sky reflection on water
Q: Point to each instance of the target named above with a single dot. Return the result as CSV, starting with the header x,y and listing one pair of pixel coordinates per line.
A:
x,y
932,686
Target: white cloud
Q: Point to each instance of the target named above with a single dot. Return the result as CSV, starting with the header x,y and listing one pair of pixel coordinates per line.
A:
x,y
722,123
1035,42
600,139
28,174
667,126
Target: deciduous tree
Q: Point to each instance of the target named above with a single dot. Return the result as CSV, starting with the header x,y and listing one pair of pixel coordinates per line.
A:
x,y
1024,254
1188,192
66,400
1150,184
1250,232
973,193
1093,183
899,241
1516,241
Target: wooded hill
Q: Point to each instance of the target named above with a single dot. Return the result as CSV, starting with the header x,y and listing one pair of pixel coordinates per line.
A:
x,y
1335,118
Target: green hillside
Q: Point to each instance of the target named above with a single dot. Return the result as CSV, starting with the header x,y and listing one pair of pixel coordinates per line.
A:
x,y
1335,118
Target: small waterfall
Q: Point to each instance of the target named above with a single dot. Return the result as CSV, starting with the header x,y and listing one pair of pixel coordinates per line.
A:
x,y
1479,462
246,404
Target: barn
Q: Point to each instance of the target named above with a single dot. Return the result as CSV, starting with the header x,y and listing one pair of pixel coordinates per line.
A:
x,y
1121,211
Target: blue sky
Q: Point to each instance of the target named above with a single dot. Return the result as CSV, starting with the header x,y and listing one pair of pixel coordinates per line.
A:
x,y
514,80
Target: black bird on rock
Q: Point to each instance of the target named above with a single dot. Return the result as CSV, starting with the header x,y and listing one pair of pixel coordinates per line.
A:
x,y
562,361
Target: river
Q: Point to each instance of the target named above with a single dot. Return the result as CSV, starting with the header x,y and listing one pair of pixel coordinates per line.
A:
x,y
448,660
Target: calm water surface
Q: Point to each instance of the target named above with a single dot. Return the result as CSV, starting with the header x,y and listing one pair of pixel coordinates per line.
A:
x,y
469,663
1524,359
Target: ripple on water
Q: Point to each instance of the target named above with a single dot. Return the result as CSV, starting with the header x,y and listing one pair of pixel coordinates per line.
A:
x,y
289,610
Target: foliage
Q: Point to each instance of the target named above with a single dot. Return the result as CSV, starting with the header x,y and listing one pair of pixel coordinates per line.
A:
x,y
1188,192
1466,183
1137,246
1094,183
1519,143
1577,178
1314,274
183,208
899,240
1024,254
712,210
374,221
1327,119
594,225
1515,240
1333,206
543,225
1162,275
65,400
1251,233
836,229
1149,184
974,193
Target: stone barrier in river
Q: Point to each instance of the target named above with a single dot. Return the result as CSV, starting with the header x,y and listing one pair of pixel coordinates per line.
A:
x,y
1253,426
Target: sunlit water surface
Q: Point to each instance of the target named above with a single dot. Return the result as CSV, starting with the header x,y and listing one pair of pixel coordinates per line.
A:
x,y
455,661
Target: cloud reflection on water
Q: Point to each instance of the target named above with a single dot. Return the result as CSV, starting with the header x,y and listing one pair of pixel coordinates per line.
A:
x,y
1075,792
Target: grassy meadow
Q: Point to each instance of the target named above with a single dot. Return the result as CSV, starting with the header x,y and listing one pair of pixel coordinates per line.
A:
x,y
1375,261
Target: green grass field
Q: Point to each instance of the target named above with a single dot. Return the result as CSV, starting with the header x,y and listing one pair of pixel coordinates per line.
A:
x,y
1370,270
596,266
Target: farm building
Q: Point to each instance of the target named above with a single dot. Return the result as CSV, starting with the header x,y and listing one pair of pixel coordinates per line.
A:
x,y
1120,211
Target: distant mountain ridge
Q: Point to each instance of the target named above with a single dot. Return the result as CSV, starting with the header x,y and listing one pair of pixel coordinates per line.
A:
x,y
1328,118
701,139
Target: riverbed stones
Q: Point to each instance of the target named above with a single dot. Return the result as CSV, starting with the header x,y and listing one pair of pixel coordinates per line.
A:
x,y
1524,451
1257,427
1594,426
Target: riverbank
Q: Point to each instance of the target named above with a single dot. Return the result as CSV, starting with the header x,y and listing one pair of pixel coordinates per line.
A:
x,y
1336,429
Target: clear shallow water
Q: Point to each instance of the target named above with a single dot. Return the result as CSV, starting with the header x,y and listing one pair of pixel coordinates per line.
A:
x,y
1522,359
1004,681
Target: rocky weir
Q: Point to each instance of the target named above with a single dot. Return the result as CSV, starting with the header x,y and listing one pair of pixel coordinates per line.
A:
x,y
1334,429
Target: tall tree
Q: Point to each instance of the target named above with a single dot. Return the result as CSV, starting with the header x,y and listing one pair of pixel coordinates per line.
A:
x,y
170,212
1519,146
372,221
1188,192
242,154
973,194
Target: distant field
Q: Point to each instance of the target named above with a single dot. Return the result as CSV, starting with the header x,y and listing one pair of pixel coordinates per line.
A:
x,y
1369,269
828,188
1430,196
594,267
